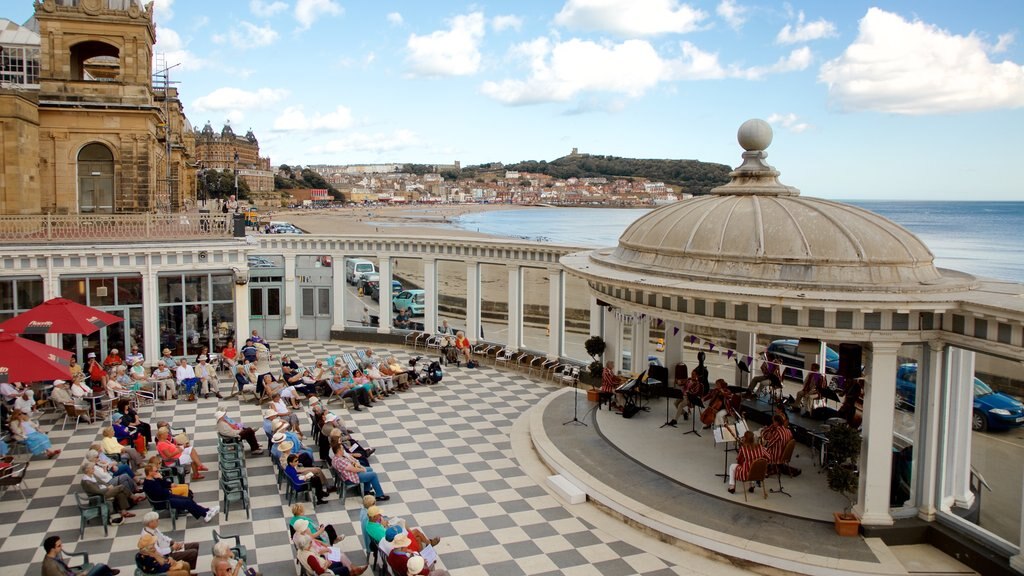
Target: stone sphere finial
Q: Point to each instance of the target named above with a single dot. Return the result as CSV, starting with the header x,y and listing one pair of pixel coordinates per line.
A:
x,y
755,134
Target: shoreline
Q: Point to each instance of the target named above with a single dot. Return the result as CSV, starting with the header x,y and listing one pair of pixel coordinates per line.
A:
x,y
417,220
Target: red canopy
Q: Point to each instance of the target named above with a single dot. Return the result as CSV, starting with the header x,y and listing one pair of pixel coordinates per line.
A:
x,y
59,316
24,360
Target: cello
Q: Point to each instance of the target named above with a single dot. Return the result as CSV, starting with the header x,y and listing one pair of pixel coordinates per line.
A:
x,y
716,400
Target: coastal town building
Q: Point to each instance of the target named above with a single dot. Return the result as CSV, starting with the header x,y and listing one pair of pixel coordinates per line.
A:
x,y
227,151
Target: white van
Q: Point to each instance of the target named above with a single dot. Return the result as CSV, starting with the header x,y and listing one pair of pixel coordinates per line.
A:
x,y
354,270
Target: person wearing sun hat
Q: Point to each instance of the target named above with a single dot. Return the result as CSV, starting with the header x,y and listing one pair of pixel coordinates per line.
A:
x,y
269,418
149,561
228,428
305,454
404,561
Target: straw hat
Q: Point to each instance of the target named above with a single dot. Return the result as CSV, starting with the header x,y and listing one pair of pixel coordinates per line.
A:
x,y
280,426
166,351
219,414
269,413
285,446
278,438
401,541
146,541
373,511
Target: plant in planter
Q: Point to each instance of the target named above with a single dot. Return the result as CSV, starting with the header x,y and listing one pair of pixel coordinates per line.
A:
x,y
843,454
595,347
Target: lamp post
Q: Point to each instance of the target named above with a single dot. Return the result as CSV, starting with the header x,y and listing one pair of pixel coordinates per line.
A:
x,y
236,174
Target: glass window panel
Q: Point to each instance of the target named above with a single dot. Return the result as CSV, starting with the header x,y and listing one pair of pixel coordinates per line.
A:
x,y
30,293
137,329
170,289
307,301
494,303
451,295
129,290
223,287
101,292
273,302
323,301
170,328
73,289
535,284
197,327
197,288
223,325
256,302
576,317
7,295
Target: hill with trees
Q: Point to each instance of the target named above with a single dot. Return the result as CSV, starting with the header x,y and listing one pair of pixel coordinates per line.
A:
x,y
692,176
299,177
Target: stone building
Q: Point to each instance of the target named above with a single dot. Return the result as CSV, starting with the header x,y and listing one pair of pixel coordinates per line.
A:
x,y
226,150
90,133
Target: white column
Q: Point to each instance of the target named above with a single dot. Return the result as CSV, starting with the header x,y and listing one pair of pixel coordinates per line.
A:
x,y
473,302
384,269
241,316
556,313
430,322
612,337
51,289
515,311
960,406
929,409
596,317
876,448
151,314
291,307
746,345
339,294
641,336
673,346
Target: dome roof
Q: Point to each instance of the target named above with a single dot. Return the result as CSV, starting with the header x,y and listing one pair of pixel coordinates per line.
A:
x,y
755,230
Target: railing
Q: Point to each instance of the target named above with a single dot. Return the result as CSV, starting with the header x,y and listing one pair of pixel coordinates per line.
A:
x,y
45,228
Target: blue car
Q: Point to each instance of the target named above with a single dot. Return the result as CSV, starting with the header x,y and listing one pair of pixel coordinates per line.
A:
x,y
788,354
992,410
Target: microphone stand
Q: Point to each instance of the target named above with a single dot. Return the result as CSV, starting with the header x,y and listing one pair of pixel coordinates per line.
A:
x,y
575,405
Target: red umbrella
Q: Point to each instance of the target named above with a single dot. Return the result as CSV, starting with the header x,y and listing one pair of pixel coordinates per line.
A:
x,y
59,316
24,360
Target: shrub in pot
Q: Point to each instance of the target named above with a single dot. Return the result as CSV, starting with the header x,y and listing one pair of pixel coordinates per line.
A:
x,y
844,444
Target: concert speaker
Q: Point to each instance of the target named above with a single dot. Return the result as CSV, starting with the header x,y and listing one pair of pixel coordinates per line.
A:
x,y
850,362
630,410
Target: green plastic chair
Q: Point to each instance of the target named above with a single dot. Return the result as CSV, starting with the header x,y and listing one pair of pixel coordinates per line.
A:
x,y
90,507
234,491
237,548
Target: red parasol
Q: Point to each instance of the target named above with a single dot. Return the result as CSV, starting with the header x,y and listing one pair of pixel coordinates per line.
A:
x,y
24,360
59,316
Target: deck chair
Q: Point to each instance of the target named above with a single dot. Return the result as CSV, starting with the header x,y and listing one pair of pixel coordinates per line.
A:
x,y
758,472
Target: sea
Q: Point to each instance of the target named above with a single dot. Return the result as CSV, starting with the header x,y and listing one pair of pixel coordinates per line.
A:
x,y
980,238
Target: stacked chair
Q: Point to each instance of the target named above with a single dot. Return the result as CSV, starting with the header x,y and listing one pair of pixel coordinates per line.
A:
x,y
234,483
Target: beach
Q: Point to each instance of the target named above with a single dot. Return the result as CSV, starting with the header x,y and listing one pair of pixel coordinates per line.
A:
x,y
417,220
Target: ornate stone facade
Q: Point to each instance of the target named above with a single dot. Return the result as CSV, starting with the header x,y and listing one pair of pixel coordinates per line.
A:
x,y
103,140
218,150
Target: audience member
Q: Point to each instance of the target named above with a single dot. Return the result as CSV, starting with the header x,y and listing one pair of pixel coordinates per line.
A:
x,y
55,565
161,489
184,551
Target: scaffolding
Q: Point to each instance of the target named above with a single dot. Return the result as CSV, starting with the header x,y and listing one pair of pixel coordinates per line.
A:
x,y
168,196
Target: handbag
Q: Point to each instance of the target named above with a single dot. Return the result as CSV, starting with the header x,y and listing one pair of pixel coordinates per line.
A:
x,y
180,490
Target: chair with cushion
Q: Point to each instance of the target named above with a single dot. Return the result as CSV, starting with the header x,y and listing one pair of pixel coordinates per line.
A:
x,y
757,473
164,506
237,548
90,507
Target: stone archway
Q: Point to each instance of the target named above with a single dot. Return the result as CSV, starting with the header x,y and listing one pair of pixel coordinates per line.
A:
x,y
95,179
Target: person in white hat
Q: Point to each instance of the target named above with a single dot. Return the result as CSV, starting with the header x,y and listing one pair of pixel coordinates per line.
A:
x,y
163,380
229,429
61,394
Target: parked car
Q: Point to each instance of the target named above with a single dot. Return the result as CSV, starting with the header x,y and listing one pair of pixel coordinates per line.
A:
x,y
992,410
396,288
354,270
368,281
282,228
412,300
260,262
787,352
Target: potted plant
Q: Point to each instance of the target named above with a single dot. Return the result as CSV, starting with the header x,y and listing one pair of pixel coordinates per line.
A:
x,y
595,347
843,454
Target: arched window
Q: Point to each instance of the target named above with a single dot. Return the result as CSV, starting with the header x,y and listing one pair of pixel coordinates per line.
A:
x,y
95,61
95,179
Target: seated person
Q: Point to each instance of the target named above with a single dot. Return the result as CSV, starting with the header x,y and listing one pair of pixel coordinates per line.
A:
x,y
163,381
610,381
229,354
113,359
112,447
249,351
354,472
380,380
149,561
173,454
302,477
97,375
318,564
402,319
342,386
186,378
277,403
121,499
245,377
130,418
224,562
444,329
139,377
814,382
283,437
134,356
160,489
62,395
377,525
118,381
115,467
185,551
463,346
267,386
749,451
105,473
55,565
400,373
24,430
207,375
235,431
361,380
326,534
403,559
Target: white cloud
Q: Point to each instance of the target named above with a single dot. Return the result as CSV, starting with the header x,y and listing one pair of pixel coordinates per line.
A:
x,y
697,64
561,71
805,31
902,67
376,143
175,51
162,10
789,122
798,59
395,19
504,22
308,11
247,35
223,99
267,8
630,18
451,52
733,14
294,119
1003,43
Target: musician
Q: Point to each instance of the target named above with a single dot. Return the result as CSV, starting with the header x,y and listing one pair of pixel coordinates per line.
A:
x,y
853,403
814,382
748,451
770,373
775,436
609,382
691,388
718,403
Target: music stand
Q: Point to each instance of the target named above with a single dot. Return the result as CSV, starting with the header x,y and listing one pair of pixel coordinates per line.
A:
x,y
667,421
575,405
695,405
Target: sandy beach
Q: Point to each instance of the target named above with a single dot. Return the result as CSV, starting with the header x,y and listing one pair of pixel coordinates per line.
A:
x,y
417,220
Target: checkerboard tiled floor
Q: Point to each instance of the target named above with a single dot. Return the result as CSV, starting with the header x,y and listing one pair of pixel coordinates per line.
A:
x,y
443,454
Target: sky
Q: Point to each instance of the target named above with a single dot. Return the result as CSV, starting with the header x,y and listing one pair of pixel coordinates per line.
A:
x,y
909,99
